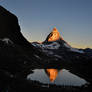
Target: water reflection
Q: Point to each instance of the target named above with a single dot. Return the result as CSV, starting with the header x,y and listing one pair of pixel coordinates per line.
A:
x,y
46,79
58,77
52,74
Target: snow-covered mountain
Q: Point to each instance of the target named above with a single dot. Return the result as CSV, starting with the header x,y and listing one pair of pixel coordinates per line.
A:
x,y
56,42
56,46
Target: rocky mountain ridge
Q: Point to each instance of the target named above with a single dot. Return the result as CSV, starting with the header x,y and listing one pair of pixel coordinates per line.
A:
x,y
56,46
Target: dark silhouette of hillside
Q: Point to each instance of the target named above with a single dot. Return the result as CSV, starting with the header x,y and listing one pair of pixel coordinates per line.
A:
x,y
9,28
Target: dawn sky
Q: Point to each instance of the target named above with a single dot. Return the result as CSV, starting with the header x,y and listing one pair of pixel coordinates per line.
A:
x,y
73,19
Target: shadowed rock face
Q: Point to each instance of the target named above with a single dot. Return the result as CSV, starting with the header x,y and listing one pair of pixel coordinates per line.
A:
x,y
9,28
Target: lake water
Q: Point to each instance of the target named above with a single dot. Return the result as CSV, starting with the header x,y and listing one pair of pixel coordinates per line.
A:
x,y
58,77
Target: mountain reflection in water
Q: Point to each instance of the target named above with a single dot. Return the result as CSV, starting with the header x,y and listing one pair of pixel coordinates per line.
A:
x,y
58,77
52,74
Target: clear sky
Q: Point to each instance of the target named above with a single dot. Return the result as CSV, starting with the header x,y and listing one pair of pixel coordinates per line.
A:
x,y
73,19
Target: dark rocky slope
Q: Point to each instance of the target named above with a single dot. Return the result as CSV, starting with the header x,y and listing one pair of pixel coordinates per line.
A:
x,y
9,28
16,53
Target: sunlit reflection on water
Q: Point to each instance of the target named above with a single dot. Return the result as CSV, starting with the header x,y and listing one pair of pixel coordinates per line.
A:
x,y
58,77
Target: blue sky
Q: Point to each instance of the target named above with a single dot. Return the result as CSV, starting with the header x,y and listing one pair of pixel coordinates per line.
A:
x,y
73,19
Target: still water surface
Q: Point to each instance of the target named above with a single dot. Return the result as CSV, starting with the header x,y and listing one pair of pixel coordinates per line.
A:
x,y
58,77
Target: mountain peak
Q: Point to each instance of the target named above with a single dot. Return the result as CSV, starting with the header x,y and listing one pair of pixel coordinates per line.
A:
x,y
54,35
55,29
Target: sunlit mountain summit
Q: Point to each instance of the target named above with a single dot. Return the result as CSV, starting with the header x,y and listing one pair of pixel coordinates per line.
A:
x,y
55,41
54,35
55,46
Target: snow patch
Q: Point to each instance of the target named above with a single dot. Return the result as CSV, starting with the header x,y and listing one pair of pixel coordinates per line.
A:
x,y
48,52
37,56
6,40
58,56
53,45
73,49
76,50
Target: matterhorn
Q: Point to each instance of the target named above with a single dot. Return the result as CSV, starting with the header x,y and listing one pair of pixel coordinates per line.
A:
x,y
54,35
56,46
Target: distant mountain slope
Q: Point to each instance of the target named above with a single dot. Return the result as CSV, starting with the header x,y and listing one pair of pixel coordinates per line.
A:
x,y
55,41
